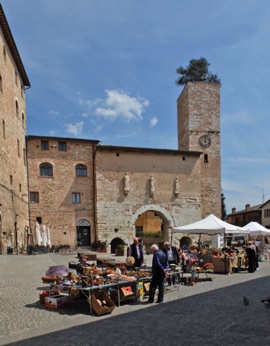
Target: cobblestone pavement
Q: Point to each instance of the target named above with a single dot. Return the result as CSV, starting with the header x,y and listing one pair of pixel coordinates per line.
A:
x,y
208,313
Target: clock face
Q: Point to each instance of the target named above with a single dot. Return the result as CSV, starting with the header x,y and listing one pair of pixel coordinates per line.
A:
x,y
205,141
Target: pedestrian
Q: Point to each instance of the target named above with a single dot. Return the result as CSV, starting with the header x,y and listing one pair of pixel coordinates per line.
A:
x,y
160,268
257,255
173,258
251,257
136,251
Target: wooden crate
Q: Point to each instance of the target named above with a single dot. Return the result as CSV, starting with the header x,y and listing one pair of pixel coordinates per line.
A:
x,y
100,309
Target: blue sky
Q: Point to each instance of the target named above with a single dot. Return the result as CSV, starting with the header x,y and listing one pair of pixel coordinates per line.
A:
x,y
105,69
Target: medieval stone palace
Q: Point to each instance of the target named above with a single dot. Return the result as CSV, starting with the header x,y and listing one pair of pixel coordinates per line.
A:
x,y
88,193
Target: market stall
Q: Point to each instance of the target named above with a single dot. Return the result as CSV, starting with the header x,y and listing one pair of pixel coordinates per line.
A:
x,y
91,283
212,225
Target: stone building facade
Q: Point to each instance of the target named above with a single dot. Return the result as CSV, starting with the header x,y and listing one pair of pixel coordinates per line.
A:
x,y
119,209
86,192
14,224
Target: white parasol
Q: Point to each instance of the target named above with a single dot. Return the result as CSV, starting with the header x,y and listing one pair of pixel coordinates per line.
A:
x,y
44,235
38,238
49,237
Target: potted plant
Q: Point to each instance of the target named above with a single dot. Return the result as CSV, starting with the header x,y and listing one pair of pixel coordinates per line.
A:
x,y
101,246
120,250
22,249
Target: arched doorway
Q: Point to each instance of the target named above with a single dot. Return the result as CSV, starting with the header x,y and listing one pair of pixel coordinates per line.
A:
x,y
185,242
115,242
83,233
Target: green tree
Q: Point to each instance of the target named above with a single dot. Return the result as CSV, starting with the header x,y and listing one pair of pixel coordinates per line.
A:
x,y
223,207
197,70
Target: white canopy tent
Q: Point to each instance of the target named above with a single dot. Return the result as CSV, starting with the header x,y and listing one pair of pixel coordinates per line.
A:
x,y
255,229
210,225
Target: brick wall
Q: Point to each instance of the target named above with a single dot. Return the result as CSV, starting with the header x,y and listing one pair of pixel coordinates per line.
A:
x,y
55,206
13,175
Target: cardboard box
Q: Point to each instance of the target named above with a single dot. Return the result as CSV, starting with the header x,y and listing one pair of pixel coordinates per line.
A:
x,y
140,288
146,286
57,302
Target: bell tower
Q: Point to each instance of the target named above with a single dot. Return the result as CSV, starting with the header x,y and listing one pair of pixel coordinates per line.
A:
x,y
198,115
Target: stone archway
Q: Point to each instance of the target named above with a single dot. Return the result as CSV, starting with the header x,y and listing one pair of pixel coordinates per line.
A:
x,y
165,217
185,242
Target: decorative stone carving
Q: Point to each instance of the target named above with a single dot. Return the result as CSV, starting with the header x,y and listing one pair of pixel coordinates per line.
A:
x,y
176,186
126,183
152,186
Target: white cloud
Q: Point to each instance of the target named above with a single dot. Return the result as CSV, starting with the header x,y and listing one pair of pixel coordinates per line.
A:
x,y
117,104
75,129
53,113
153,121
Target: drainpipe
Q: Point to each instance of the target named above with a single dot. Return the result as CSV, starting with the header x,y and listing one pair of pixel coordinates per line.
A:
x,y
94,190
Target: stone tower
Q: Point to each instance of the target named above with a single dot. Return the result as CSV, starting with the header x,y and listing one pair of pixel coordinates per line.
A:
x,y
198,110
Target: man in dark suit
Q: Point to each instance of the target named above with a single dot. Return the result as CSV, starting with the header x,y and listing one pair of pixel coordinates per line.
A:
x,y
160,267
173,258
136,251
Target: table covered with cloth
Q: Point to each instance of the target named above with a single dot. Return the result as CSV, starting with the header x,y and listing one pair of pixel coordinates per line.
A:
x,y
220,267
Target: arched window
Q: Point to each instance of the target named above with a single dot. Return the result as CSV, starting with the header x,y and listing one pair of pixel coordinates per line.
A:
x,y
23,120
81,170
46,169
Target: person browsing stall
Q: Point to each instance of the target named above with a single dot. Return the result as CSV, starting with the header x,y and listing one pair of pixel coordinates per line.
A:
x,y
160,266
173,258
136,251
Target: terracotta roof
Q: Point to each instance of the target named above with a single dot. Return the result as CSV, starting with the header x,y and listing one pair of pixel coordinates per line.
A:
x,y
93,141
12,46
250,209
147,150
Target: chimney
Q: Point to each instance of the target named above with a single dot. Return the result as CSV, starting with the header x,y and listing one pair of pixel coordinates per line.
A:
x,y
247,206
233,210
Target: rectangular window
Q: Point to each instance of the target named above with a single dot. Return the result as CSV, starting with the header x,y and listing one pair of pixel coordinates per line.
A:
x,y
76,197
34,197
44,145
11,180
62,146
20,187
39,219
267,213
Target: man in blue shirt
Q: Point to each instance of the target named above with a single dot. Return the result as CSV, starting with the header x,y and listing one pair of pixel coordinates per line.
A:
x,y
160,266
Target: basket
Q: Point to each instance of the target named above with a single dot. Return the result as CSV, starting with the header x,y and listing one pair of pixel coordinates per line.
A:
x,y
100,309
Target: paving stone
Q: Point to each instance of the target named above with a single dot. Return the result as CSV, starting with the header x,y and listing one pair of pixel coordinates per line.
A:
x,y
208,313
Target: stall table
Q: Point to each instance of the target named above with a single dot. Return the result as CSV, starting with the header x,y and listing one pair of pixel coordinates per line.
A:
x,y
221,267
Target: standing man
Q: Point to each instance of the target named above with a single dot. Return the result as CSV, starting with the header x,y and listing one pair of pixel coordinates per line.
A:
x,y
136,251
160,267
173,258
